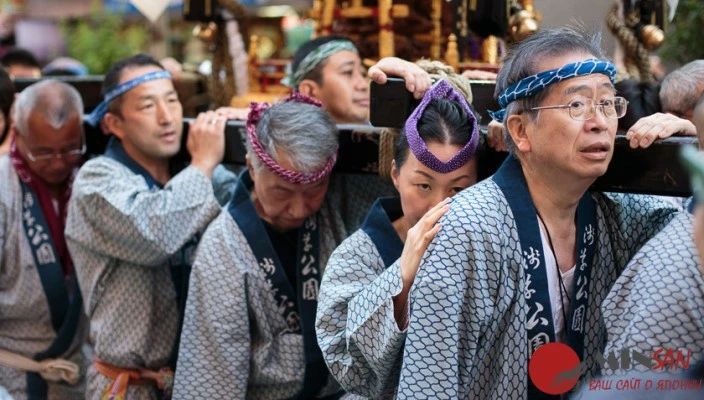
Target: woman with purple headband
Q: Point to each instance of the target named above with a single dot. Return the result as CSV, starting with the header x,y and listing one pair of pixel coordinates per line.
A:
x,y
361,321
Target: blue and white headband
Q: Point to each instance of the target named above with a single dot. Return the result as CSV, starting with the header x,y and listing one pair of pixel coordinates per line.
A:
x,y
533,84
102,108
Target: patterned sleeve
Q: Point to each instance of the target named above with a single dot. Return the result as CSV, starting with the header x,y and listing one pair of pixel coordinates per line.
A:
x,y
355,324
115,214
637,218
224,182
214,355
454,299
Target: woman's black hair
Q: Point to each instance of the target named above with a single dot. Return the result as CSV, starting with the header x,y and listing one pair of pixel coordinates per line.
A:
x,y
7,97
443,121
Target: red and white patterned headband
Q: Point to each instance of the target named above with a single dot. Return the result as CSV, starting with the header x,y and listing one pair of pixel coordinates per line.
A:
x,y
299,178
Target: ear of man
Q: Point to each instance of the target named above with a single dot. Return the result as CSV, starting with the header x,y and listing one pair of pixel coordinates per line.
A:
x,y
518,128
309,88
114,125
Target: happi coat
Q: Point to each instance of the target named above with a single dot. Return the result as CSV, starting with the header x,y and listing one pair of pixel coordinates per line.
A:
x,y
359,337
40,308
657,304
132,243
480,305
249,329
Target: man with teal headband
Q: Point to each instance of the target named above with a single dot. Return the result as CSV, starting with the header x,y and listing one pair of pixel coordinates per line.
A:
x,y
524,259
330,70
133,223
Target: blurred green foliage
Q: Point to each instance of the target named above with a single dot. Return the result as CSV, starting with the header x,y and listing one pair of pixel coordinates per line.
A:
x,y
683,41
101,39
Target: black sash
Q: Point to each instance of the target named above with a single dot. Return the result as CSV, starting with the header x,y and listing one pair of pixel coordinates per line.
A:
x,y
179,262
378,225
539,325
308,276
65,310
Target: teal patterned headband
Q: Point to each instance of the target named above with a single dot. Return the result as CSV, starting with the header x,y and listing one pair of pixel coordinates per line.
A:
x,y
314,58
533,84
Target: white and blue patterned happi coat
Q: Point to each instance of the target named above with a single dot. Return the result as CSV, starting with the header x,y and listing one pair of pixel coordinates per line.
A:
x,y
122,234
357,332
25,316
467,334
658,301
235,342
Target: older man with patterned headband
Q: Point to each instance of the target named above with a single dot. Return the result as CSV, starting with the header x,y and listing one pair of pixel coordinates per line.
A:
x,y
524,259
249,326
133,223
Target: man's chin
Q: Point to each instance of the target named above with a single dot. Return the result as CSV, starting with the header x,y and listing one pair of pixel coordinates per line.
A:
x,y
170,151
55,180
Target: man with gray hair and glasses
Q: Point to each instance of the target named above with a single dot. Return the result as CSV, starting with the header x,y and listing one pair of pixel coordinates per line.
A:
x,y
524,259
249,325
42,327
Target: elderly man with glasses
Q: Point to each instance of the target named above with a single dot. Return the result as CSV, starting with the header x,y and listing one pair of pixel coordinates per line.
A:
x,y
42,327
524,259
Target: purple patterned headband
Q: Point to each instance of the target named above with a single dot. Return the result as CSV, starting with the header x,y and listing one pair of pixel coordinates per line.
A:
x,y
440,90
298,178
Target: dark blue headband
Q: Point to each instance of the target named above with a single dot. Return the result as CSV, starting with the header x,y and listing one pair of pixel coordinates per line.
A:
x,y
533,84
102,108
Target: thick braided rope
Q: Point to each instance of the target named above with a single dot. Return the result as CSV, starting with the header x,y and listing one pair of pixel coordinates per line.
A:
x,y
636,55
438,70
441,89
222,92
387,141
295,177
314,58
533,84
99,112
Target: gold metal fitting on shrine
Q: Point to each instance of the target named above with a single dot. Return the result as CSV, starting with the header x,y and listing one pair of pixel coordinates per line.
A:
x,y
206,32
653,37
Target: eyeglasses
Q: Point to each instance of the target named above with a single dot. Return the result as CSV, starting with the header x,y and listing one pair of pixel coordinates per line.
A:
x,y
62,155
583,109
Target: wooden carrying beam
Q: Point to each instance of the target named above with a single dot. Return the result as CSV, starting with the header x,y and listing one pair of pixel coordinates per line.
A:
x,y
655,170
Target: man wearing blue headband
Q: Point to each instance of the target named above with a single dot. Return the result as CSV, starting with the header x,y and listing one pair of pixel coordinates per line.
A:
x,y
524,259
133,224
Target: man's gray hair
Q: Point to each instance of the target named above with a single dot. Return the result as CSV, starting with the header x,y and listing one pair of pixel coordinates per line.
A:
x,y
681,88
522,61
56,101
304,133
